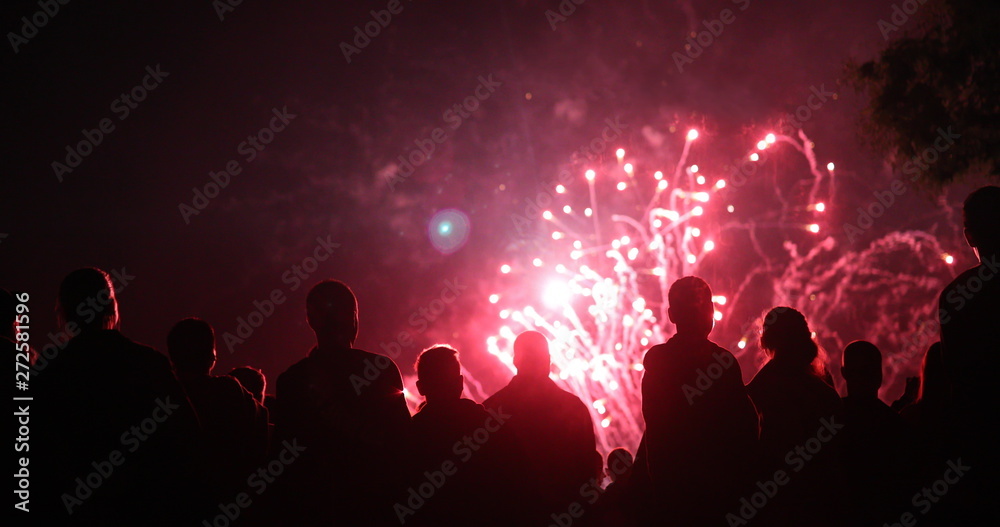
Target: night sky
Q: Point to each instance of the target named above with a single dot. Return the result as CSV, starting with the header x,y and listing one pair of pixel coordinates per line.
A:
x,y
546,92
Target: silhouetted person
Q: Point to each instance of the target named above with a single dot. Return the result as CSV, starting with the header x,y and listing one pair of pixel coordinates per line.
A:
x,y
929,411
113,433
932,420
701,428
337,402
969,309
876,444
233,424
252,380
619,464
551,432
451,436
800,423
615,505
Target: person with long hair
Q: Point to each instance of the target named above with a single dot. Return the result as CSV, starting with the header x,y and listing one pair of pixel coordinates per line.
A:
x,y
800,417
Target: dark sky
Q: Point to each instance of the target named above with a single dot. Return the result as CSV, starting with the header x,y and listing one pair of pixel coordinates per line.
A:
x,y
322,175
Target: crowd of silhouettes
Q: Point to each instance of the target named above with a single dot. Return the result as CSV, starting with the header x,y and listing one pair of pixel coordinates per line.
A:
x,y
122,435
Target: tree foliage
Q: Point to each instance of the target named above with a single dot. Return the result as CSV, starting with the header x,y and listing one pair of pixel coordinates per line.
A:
x,y
938,72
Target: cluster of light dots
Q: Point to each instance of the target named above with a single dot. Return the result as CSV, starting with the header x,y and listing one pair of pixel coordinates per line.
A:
x,y
598,321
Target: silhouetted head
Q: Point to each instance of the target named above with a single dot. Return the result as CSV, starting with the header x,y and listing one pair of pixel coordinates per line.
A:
x,y
439,374
332,311
786,337
934,384
191,345
982,221
253,381
619,463
8,314
531,355
862,369
87,299
691,308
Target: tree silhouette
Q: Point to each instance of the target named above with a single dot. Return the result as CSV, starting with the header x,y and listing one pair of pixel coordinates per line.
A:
x,y
937,77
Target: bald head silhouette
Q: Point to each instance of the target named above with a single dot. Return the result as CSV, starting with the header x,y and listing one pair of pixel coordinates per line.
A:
x,y
531,355
862,369
332,312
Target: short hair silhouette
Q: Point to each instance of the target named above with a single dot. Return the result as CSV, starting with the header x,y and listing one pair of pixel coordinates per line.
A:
x,y
862,368
531,354
620,461
690,305
191,345
87,299
332,312
981,214
439,373
786,336
8,313
252,380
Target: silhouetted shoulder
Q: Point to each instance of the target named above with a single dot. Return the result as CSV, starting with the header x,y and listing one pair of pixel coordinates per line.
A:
x,y
767,374
655,357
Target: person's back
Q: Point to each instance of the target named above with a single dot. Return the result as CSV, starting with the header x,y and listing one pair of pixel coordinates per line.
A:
x,y
550,430
801,417
110,412
969,308
701,428
791,404
877,445
252,380
234,425
441,427
336,402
